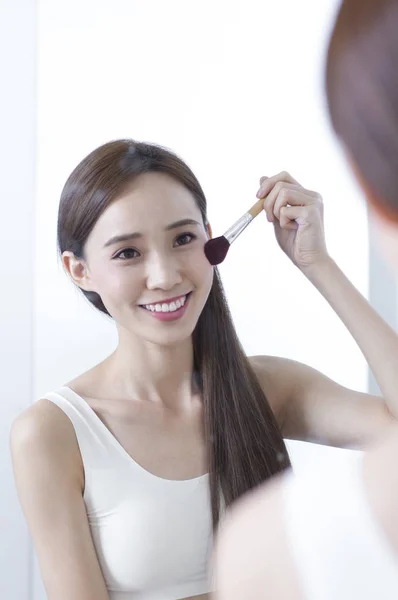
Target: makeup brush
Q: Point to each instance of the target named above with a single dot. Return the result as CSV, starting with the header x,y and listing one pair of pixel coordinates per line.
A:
x,y
216,249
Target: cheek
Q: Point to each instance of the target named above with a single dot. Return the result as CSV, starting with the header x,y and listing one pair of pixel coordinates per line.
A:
x,y
117,282
203,270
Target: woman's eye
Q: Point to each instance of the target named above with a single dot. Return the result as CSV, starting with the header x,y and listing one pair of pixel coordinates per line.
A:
x,y
129,253
185,238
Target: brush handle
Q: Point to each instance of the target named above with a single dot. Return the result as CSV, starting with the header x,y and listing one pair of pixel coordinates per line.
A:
x,y
256,208
232,233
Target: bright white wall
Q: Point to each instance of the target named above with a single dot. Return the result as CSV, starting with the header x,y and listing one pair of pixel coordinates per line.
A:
x,y
236,89
17,160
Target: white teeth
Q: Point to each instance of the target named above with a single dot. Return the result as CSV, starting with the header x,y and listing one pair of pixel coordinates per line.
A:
x,y
173,306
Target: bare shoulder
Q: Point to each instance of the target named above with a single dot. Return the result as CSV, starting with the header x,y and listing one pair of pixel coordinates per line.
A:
x,y
43,432
48,477
43,418
274,367
253,541
276,376
264,503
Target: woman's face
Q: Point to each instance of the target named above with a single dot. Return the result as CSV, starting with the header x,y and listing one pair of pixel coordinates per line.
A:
x,y
145,259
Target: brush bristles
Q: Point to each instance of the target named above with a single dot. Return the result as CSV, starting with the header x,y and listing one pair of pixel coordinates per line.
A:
x,y
216,250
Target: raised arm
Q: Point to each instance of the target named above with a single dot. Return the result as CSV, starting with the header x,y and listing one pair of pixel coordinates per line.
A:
x,y
297,215
49,478
312,407
316,408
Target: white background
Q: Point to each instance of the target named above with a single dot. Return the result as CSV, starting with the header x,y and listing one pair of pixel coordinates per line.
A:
x,y
235,88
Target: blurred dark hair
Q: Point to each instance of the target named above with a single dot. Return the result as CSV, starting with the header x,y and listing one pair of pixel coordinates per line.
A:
x,y
362,92
244,442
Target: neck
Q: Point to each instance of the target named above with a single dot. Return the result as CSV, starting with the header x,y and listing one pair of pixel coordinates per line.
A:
x,y
149,372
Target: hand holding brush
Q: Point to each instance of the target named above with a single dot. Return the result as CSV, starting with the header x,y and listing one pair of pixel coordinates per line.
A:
x,y
297,216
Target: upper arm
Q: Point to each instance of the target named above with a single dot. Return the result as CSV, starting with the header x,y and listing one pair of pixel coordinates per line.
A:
x,y
48,477
315,408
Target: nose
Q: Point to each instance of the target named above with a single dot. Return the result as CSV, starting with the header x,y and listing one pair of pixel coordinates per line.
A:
x,y
163,272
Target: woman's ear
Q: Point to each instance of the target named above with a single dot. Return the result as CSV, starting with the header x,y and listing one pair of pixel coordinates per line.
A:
x,y
77,271
209,230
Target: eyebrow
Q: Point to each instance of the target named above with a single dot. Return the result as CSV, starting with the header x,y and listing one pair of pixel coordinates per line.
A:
x,y
116,239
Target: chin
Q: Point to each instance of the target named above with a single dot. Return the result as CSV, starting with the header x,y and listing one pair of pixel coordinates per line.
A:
x,y
164,333
168,339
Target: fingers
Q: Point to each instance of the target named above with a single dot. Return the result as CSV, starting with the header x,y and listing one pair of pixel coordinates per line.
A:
x,y
267,183
283,191
278,197
290,217
293,197
287,194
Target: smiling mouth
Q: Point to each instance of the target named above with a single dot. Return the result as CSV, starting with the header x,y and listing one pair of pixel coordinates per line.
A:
x,y
167,307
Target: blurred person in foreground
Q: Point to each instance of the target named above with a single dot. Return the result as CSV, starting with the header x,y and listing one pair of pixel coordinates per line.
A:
x,y
323,535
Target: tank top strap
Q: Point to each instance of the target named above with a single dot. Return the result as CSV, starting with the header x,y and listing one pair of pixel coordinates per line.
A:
x,y
91,436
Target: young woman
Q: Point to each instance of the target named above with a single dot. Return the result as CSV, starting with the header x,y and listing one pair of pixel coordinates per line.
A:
x,y
335,535
124,471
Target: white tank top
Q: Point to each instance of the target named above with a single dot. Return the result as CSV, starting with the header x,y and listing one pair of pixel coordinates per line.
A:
x,y
153,536
340,551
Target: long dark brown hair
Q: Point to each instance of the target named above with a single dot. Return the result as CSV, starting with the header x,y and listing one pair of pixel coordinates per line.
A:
x,y
244,443
362,92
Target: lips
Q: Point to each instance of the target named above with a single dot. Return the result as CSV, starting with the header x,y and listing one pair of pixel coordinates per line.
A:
x,y
168,301
168,315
